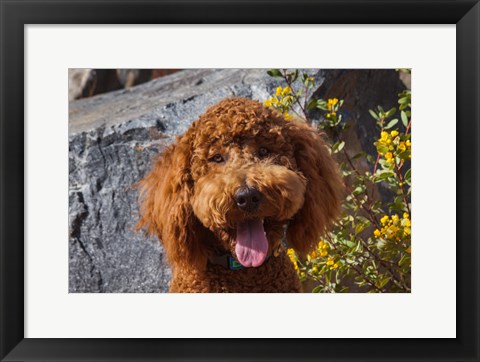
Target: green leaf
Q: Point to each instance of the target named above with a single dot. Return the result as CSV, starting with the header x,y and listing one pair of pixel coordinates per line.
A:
x,y
361,226
348,243
358,190
362,219
312,104
404,118
407,176
381,148
321,104
398,204
373,114
317,289
274,73
391,112
404,155
404,259
340,146
358,155
392,123
382,282
383,175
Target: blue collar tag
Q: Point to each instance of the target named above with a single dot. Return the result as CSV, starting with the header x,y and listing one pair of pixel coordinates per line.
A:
x,y
233,264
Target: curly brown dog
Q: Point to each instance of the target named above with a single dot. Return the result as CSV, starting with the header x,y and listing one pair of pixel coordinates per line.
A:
x,y
224,195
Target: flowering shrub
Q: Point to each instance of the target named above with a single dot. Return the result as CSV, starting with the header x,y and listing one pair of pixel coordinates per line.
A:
x,y
370,247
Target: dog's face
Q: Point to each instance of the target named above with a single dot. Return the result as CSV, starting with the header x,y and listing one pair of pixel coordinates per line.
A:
x,y
235,180
247,185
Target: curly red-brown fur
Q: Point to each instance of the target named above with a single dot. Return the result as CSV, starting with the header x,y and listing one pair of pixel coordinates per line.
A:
x,y
188,199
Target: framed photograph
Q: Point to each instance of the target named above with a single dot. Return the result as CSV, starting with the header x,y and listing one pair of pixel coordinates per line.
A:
x,y
271,148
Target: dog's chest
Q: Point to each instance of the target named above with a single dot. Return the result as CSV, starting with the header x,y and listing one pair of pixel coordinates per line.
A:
x,y
277,275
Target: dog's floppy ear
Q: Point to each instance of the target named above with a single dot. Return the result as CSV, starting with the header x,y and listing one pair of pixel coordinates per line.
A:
x,y
324,188
165,206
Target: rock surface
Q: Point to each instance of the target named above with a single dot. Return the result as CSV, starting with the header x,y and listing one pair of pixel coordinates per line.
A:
x,y
114,137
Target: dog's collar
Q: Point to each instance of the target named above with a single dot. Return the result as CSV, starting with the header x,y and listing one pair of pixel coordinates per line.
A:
x,y
227,261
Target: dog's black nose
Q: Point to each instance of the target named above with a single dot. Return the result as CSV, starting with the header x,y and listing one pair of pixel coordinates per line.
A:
x,y
248,198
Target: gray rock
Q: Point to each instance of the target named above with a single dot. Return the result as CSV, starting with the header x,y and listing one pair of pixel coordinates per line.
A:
x,y
113,138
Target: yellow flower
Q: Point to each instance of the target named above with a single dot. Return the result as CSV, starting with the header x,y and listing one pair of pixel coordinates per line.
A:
x,y
405,215
377,233
315,269
322,248
278,91
395,219
409,250
331,103
330,261
268,103
384,219
292,255
389,157
286,90
407,223
392,229
402,146
287,116
383,136
334,266
394,133
408,143
407,231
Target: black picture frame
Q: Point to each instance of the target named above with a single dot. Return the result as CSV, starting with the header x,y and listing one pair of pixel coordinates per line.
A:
x,y
15,14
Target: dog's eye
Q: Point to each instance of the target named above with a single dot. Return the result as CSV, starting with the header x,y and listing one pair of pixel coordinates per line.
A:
x,y
263,152
218,158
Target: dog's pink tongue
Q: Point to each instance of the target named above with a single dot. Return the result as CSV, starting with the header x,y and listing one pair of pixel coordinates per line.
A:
x,y
252,243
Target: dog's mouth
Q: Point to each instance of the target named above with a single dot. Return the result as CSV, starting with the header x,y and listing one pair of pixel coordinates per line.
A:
x,y
251,243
